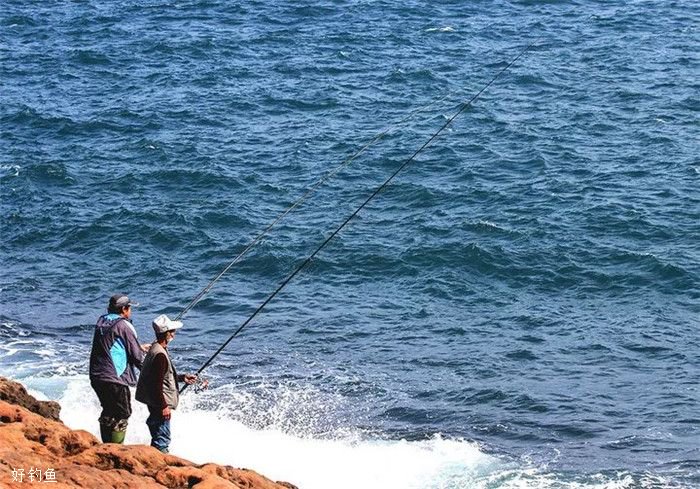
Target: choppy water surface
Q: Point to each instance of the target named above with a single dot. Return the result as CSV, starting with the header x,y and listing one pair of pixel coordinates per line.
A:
x,y
518,309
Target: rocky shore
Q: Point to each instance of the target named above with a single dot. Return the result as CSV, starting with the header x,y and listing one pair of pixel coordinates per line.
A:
x,y
37,449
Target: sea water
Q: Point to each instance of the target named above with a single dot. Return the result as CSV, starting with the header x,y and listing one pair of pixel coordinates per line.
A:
x,y
518,308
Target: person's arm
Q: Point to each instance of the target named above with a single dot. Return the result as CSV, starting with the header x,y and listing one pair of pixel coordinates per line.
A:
x,y
160,367
135,354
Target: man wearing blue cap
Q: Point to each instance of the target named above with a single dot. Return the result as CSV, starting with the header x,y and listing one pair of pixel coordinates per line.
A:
x,y
158,384
115,356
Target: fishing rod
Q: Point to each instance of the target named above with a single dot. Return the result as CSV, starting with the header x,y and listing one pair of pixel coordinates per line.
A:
x,y
300,267
301,199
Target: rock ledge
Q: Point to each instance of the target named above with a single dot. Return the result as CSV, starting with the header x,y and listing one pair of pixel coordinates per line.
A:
x,y
32,436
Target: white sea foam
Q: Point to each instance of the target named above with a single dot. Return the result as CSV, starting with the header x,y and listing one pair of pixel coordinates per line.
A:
x,y
440,29
11,170
342,462
312,463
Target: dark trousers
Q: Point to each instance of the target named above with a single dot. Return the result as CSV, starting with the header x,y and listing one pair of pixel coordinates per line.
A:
x,y
159,428
115,400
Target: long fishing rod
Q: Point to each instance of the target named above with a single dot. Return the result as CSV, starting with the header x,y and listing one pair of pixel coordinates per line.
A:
x,y
300,200
296,204
304,197
299,268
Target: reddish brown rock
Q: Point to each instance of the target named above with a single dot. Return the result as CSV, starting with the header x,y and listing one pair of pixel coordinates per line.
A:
x,y
78,460
15,393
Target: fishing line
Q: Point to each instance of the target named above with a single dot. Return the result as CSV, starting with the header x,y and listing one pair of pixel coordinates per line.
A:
x,y
304,197
300,267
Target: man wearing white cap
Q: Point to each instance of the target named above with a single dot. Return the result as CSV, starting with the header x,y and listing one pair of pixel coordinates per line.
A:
x,y
157,386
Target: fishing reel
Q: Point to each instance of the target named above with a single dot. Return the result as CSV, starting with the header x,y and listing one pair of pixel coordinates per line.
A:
x,y
200,385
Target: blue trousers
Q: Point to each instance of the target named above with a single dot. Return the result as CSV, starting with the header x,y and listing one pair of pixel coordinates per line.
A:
x,y
160,430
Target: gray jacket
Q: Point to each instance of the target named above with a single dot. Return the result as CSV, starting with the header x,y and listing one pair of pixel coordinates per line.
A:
x,y
149,390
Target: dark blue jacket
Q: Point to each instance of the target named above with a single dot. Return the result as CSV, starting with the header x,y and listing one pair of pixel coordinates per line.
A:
x,y
115,351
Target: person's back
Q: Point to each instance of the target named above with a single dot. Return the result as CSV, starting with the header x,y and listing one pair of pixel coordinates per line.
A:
x,y
113,346
114,357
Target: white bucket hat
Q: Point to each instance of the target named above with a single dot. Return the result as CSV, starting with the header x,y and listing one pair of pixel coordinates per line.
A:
x,y
163,324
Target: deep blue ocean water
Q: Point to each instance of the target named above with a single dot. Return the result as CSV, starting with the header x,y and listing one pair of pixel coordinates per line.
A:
x,y
519,308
